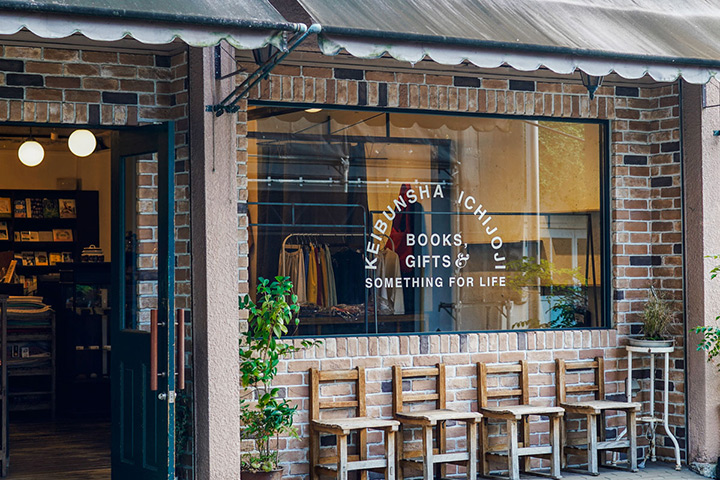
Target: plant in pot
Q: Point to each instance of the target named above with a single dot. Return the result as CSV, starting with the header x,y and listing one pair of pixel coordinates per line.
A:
x,y
656,318
264,413
563,288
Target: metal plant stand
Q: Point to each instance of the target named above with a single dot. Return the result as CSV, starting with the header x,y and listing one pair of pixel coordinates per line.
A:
x,y
651,418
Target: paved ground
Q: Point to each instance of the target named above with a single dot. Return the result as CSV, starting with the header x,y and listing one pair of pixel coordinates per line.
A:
x,y
654,471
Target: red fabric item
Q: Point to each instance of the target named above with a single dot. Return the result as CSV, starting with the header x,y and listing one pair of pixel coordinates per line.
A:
x,y
404,223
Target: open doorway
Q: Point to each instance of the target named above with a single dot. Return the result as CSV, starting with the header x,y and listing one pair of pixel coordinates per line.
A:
x,y
55,231
86,247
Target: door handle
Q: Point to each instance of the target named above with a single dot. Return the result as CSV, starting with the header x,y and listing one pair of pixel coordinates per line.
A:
x,y
180,347
153,350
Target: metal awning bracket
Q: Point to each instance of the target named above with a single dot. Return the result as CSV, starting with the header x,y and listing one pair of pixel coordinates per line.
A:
x,y
229,103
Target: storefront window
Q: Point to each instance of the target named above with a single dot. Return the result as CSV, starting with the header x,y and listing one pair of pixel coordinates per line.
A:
x,y
401,222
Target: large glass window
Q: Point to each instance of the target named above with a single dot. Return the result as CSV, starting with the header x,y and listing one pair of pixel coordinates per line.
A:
x,y
403,222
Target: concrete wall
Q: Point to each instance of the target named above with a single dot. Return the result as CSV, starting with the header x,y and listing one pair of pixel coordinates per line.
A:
x,y
702,238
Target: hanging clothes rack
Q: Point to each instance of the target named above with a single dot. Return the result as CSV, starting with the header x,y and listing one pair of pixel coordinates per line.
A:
x,y
340,235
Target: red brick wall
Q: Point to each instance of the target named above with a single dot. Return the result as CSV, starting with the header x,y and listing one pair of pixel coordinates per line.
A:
x,y
645,236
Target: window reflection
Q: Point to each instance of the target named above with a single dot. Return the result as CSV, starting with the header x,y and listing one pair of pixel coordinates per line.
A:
x,y
390,222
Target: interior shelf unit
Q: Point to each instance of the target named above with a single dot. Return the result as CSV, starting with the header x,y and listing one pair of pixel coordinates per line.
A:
x,y
30,351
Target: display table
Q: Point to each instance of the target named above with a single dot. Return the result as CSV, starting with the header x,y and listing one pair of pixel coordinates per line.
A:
x,y
651,418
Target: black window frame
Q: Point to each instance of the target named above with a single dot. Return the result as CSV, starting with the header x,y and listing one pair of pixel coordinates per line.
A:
x,y
606,315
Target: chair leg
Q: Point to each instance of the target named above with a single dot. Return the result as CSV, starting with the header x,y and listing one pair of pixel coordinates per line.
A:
x,y
563,440
399,453
555,429
390,454
314,453
592,440
484,465
513,457
428,456
441,468
472,441
362,445
342,462
632,436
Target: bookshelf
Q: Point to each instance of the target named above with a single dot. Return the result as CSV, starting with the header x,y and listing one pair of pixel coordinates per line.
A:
x,y
46,227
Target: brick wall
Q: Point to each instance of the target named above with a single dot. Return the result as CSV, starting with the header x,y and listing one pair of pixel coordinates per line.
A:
x,y
646,238
103,89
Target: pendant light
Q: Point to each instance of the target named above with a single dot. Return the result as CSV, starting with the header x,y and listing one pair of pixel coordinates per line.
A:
x,y
31,153
82,142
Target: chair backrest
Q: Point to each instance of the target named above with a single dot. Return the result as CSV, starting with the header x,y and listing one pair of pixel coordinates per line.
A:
x,y
400,398
522,390
563,367
356,375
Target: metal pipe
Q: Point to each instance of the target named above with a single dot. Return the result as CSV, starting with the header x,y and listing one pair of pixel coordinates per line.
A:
x,y
263,71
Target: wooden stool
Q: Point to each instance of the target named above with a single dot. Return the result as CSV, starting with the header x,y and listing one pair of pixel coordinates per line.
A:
x,y
429,420
594,410
516,415
339,465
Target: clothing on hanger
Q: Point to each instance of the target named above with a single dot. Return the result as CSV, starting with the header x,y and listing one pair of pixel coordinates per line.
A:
x,y
389,268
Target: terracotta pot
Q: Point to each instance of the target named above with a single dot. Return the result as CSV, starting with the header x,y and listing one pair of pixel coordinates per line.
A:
x,y
642,342
273,475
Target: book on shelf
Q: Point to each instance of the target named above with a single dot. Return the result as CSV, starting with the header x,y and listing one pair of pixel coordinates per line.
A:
x,y
5,207
62,235
54,258
45,236
50,208
41,258
34,207
20,209
67,208
10,272
4,232
28,259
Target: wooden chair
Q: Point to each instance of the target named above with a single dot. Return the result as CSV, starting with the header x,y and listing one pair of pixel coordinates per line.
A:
x,y
341,464
430,458
518,421
595,444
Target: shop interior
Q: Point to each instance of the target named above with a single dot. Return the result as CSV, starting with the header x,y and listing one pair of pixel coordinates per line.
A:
x,y
55,234
485,223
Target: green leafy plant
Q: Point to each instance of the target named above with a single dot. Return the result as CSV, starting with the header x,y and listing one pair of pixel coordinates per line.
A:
x,y
567,298
711,335
656,316
266,415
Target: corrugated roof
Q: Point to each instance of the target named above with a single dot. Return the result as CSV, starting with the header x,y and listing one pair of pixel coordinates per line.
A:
x,y
243,13
665,38
245,24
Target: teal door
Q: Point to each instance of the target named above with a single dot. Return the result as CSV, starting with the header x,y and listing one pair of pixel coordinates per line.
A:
x,y
143,323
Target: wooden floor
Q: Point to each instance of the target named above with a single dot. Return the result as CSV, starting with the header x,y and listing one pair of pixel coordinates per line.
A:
x,y
63,450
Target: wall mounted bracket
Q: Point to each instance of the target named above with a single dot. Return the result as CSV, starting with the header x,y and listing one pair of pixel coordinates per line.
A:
x,y
229,103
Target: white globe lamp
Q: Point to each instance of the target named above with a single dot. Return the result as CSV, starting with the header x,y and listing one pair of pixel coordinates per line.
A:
x,y
82,142
31,153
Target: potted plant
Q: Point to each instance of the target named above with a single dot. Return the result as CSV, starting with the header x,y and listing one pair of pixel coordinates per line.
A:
x,y
264,413
563,288
656,319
